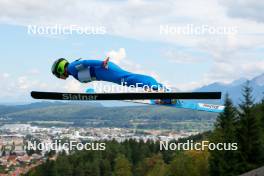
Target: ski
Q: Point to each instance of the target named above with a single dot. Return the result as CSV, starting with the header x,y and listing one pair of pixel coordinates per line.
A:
x,y
184,105
194,106
125,96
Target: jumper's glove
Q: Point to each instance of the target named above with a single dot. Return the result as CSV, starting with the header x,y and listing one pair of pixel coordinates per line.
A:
x,y
105,62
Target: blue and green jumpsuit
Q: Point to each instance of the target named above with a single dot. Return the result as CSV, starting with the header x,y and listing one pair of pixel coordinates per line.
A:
x,y
93,70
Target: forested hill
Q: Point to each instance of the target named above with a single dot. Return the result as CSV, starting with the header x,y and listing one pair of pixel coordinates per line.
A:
x,y
243,126
82,113
6,109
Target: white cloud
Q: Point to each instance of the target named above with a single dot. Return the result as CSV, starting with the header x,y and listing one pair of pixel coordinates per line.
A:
x,y
141,19
23,82
5,75
117,56
34,71
183,57
249,9
18,88
190,85
73,86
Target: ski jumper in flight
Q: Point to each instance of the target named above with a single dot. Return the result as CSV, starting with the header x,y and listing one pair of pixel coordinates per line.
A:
x,y
95,70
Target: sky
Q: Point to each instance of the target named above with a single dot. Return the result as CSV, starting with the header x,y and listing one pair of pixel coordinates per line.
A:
x,y
183,44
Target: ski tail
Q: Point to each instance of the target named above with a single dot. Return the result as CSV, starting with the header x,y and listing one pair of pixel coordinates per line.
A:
x,y
194,106
210,107
200,106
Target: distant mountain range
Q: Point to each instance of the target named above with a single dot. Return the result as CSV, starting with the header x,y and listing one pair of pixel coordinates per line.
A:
x,y
234,89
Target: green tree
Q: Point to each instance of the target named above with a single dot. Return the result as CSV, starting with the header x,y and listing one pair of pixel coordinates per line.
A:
x,y
262,117
223,162
3,151
249,132
91,168
105,168
200,161
122,166
182,165
63,166
2,169
191,163
49,169
153,166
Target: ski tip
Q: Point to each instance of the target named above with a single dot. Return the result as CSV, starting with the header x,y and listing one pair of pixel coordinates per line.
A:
x,y
34,94
44,95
